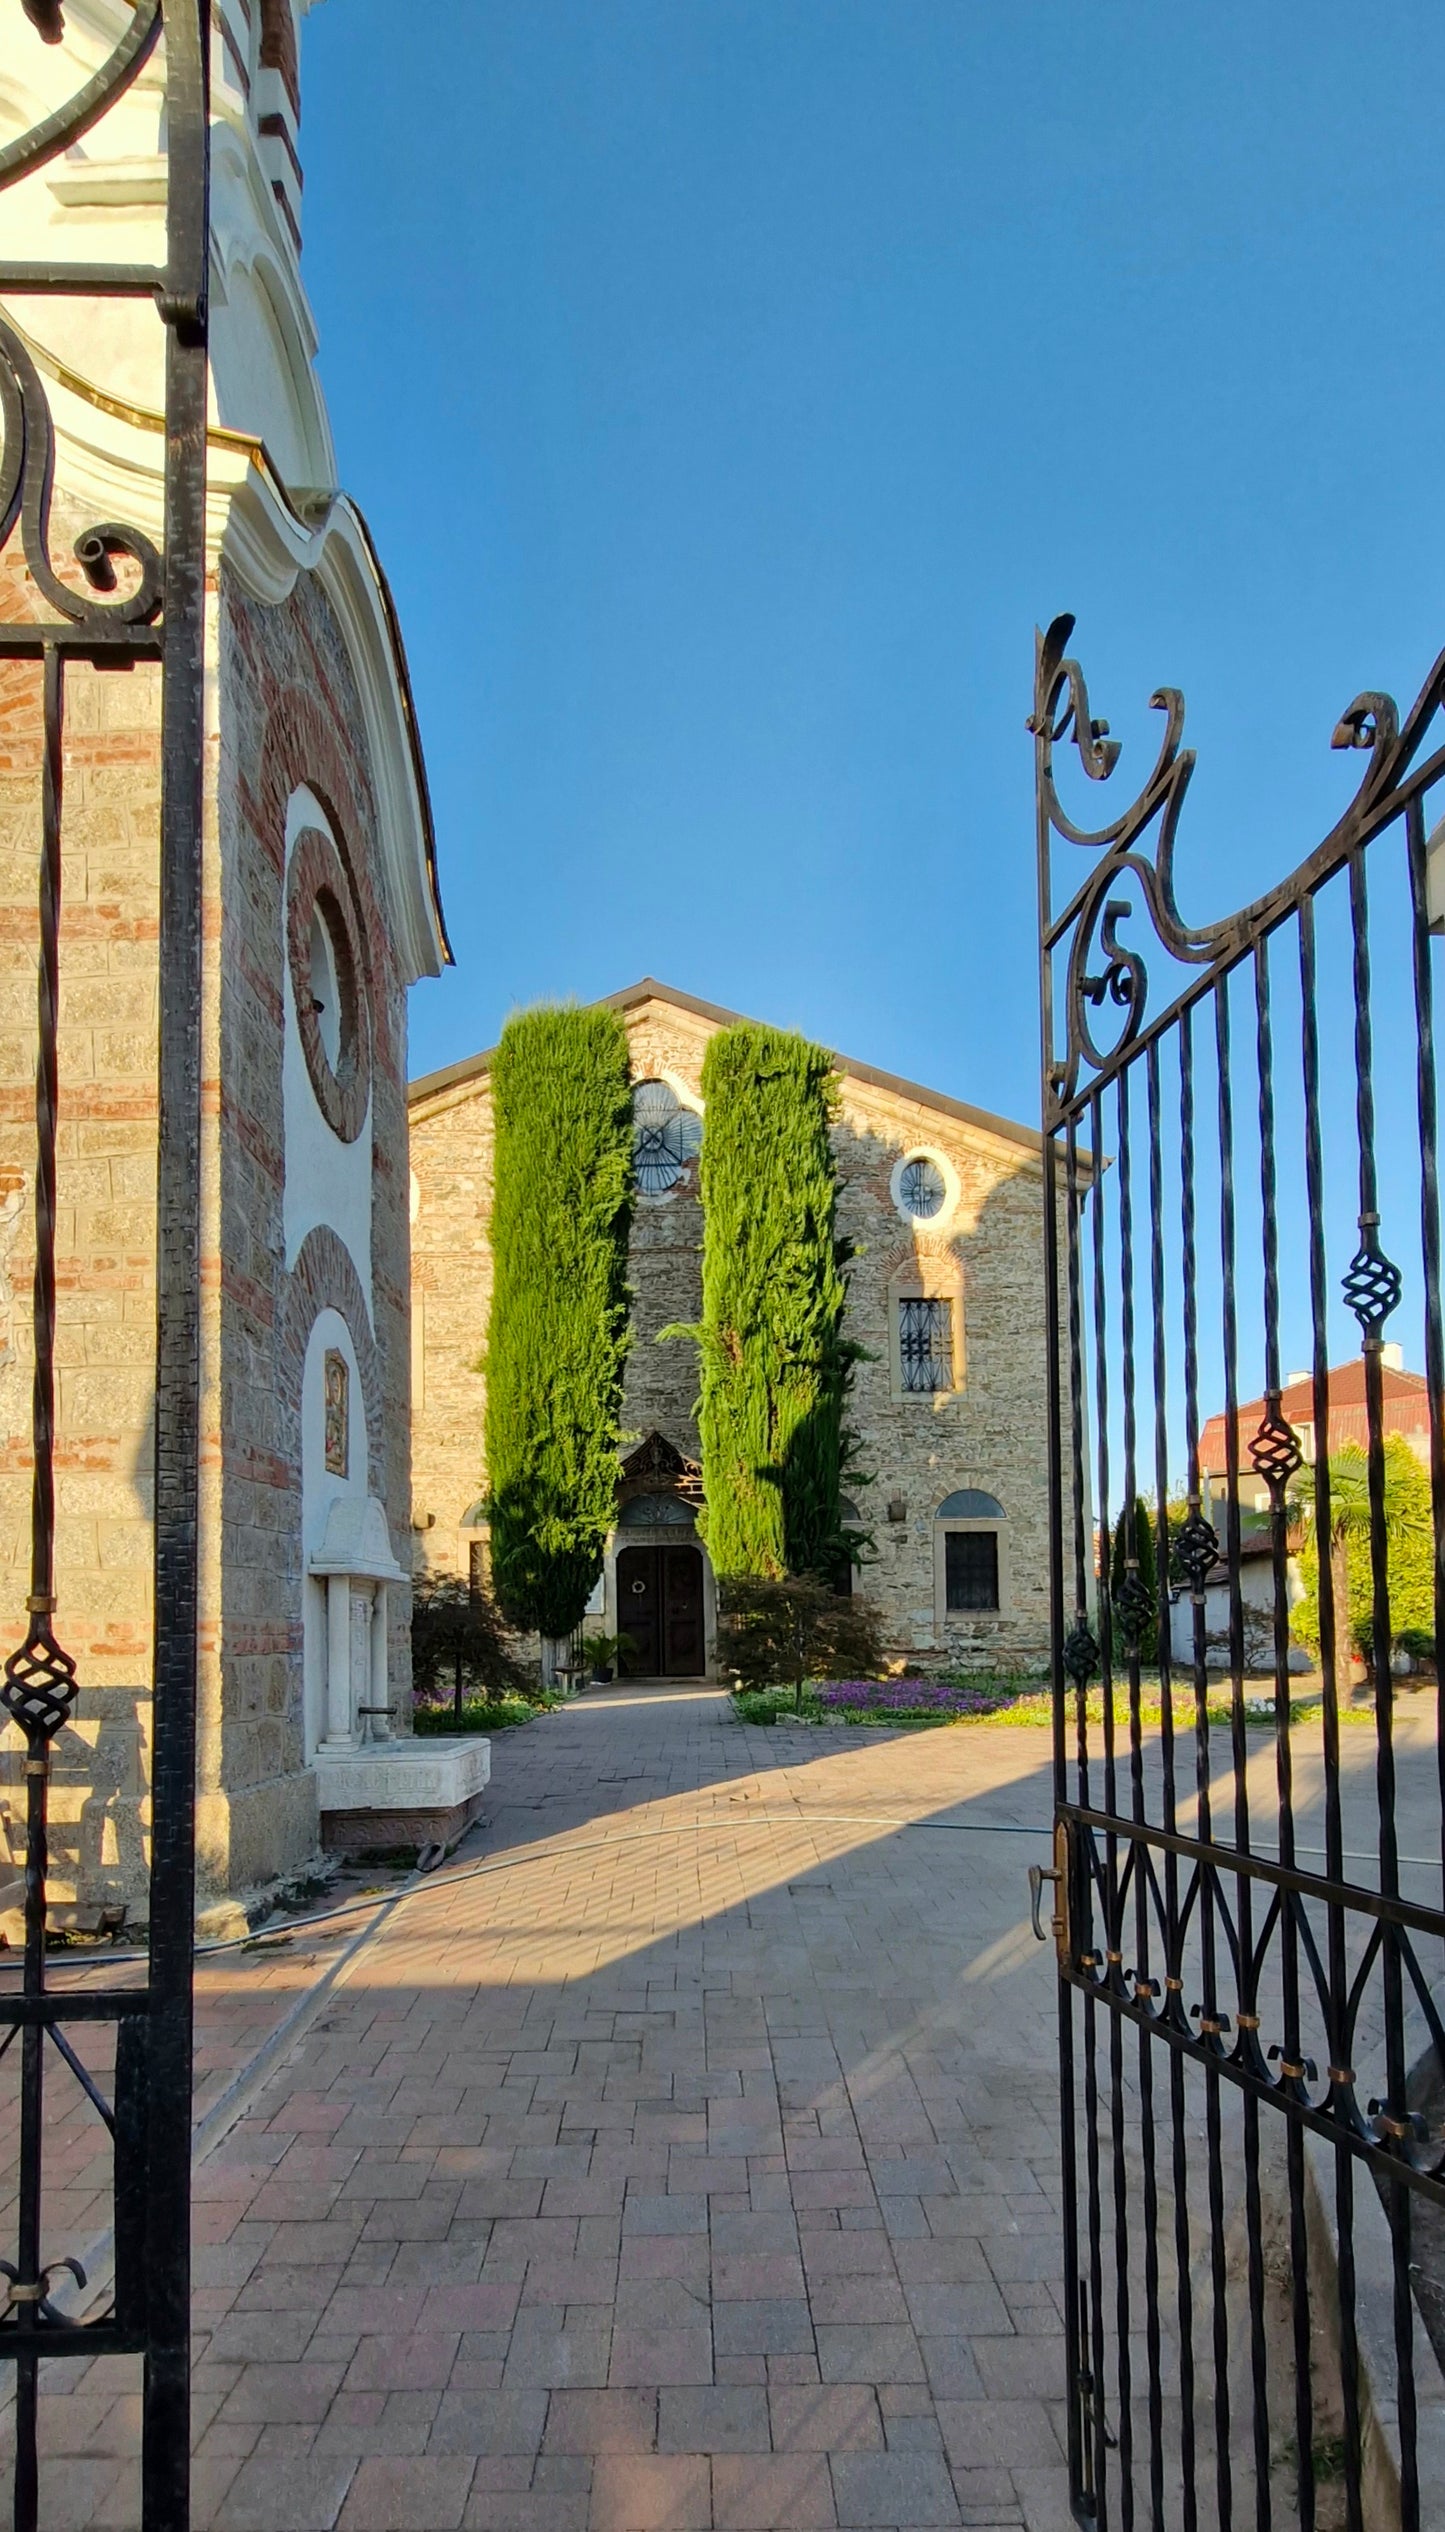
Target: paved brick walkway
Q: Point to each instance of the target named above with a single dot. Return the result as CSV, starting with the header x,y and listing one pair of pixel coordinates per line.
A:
x,y
695,2163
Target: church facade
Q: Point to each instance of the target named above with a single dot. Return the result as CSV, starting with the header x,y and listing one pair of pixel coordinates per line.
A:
x,y
941,1204
321,909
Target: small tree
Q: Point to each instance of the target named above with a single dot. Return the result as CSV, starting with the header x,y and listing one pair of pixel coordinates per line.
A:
x,y
457,1639
1146,1559
559,1326
1409,1549
777,1633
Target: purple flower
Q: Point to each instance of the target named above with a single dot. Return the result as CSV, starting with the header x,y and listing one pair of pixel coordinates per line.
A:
x,y
905,1696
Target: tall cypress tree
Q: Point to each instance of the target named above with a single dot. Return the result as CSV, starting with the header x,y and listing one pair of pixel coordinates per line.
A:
x,y
775,1366
558,1337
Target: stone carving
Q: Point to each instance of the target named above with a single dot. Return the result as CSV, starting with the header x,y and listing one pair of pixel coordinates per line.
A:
x,y
338,1412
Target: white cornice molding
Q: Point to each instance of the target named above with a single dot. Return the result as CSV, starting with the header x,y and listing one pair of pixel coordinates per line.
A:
x,y
109,464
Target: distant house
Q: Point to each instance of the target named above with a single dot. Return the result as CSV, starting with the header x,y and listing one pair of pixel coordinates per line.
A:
x,y
1256,1603
1406,1411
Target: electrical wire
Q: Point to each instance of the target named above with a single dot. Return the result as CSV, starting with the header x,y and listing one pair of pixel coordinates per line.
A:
x,y
430,1877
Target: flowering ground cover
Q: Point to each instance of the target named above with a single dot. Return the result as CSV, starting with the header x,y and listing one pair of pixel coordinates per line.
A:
x,y
913,1703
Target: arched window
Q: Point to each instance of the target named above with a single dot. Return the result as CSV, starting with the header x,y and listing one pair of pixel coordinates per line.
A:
x,y
665,1137
970,1564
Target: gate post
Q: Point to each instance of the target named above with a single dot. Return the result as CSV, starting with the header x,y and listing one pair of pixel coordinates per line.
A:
x,y
159,616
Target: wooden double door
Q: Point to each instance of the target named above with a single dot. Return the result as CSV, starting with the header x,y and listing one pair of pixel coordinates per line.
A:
x,y
659,1605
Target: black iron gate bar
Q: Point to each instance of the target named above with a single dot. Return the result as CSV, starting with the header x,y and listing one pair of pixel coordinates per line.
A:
x,y
161,618
1183,1927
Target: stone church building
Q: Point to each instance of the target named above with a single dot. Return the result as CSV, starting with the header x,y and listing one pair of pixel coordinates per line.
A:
x,y
941,1203
321,909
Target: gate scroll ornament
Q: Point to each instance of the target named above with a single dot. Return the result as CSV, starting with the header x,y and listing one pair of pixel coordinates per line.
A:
x,y
129,601
1238,2009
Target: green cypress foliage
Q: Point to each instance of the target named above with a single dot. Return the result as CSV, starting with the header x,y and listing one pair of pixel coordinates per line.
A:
x,y
775,1367
558,1338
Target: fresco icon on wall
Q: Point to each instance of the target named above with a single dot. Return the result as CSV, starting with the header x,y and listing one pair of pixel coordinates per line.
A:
x,y
338,1412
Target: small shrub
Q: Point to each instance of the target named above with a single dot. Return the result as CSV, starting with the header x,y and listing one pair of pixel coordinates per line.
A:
x,y
779,1634
458,1643
755,1709
493,1714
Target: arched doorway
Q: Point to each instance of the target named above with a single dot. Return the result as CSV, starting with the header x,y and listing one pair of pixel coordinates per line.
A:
x,y
660,1607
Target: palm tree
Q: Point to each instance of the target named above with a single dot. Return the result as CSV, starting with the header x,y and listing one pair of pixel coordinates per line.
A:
x,y
1349,1526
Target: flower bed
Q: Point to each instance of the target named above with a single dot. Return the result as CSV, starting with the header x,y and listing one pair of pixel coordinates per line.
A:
x,y
846,1699
908,1704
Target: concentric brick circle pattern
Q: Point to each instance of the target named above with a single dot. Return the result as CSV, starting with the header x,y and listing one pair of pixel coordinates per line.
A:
x,y
319,899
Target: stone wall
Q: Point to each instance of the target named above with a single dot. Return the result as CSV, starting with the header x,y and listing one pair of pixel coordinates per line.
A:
x,y
106,1162
292,717
284,710
983,1253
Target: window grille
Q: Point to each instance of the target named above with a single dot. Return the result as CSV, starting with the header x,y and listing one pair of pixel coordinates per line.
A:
x,y
925,1344
970,1569
922,1189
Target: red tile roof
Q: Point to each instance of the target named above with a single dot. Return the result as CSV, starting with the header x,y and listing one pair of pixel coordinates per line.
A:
x,y
1406,1396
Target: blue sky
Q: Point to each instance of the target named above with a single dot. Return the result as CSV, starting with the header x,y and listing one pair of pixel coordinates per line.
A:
x,y
731,386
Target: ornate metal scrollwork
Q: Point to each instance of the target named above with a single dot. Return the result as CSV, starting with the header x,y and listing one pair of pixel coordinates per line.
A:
x,y
1081,1653
86,108
1373,1283
1197,1549
1134,1605
1102,968
1104,972
40,1683
1274,1452
27,470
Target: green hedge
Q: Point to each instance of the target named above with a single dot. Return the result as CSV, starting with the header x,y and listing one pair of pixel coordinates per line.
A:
x,y
558,1336
775,1367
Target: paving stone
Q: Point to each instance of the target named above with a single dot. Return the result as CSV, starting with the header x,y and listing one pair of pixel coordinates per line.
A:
x,y
679,2212
268,2393
307,2496
713,2419
761,2493
421,2360
868,2354
603,2421
509,2420
773,2328
408,2495
825,2418
912,2489
651,2492
525,2510
979,2434
647,2357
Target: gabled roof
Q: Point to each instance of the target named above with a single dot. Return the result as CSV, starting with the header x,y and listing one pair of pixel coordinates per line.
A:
x,y
648,989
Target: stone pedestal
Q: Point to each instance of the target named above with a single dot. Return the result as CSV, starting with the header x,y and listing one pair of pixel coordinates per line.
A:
x,y
402,1793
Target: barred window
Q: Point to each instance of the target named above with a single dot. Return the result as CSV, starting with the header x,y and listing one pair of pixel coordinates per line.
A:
x,y
970,1569
925,1344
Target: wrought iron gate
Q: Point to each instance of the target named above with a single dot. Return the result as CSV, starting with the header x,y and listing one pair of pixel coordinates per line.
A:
x,y
1248,1879
150,608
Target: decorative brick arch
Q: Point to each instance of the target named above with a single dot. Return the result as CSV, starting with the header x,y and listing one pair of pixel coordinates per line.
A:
x,y
299,746
324,1277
